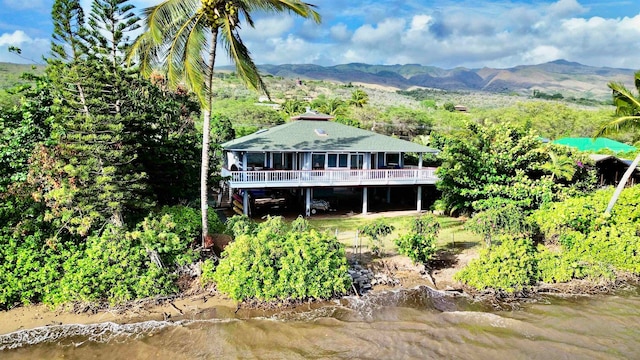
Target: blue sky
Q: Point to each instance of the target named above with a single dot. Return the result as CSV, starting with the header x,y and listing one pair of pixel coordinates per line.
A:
x,y
446,33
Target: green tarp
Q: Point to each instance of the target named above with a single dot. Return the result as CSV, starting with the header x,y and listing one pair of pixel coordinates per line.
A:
x,y
595,145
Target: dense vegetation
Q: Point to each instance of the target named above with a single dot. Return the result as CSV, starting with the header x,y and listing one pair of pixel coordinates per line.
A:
x,y
419,244
485,167
579,242
584,236
89,160
273,261
99,170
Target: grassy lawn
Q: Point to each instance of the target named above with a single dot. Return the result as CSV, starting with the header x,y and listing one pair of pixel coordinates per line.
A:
x,y
452,233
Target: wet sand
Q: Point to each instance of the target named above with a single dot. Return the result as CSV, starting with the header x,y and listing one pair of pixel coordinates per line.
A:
x,y
33,316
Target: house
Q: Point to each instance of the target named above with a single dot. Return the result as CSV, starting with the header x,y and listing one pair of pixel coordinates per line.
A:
x,y
461,108
610,170
311,154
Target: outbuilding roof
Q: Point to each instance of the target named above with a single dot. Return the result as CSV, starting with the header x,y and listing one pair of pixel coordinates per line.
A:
x,y
597,144
323,136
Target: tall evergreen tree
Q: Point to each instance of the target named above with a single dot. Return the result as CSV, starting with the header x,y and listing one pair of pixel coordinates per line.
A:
x,y
69,33
90,177
110,21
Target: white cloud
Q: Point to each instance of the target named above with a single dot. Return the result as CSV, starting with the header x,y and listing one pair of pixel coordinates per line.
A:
x,y
32,48
384,33
420,22
268,28
340,32
448,33
16,38
565,8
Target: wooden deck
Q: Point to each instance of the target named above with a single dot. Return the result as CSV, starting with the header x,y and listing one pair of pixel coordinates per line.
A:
x,y
326,178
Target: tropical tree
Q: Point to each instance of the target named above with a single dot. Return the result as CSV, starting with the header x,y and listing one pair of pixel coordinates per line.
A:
x,y
179,33
628,117
292,107
359,98
330,106
559,166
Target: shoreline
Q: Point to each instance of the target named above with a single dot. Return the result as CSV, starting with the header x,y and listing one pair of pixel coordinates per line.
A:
x,y
205,303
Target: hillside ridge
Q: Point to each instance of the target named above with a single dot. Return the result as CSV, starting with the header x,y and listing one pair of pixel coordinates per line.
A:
x,y
558,76
555,77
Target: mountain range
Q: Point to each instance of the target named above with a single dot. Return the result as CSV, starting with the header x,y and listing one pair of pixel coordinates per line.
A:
x,y
555,77
569,79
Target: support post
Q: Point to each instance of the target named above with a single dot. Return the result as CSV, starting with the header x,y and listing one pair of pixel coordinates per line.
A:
x,y
389,195
308,202
419,202
365,200
245,202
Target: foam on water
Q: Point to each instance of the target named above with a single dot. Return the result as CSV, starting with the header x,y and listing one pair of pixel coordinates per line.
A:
x,y
78,334
102,332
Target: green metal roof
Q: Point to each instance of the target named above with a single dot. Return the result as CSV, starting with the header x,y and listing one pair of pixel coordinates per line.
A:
x,y
597,144
321,135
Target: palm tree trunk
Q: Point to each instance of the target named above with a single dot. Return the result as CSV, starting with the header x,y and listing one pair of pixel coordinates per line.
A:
x,y
621,185
206,130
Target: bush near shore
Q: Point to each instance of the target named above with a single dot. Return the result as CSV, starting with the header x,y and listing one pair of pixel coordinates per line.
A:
x,y
580,242
276,261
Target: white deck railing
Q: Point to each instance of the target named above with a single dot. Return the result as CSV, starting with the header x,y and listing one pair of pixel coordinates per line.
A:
x,y
306,178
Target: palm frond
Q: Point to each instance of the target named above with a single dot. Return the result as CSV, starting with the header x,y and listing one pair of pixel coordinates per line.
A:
x,y
619,124
195,67
187,42
300,8
165,17
241,57
143,54
624,99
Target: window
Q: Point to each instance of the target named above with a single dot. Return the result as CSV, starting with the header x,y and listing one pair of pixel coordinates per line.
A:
x,y
282,161
255,160
343,160
392,159
357,161
338,160
318,161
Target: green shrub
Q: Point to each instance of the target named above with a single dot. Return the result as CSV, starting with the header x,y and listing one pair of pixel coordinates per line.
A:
x,y
208,268
29,268
189,223
419,243
275,263
159,235
594,246
119,265
556,266
116,267
579,214
501,217
510,266
562,266
240,225
615,245
376,231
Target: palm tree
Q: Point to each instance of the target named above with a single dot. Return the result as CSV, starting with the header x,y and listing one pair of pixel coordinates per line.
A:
x,y
628,117
179,33
559,166
359,98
